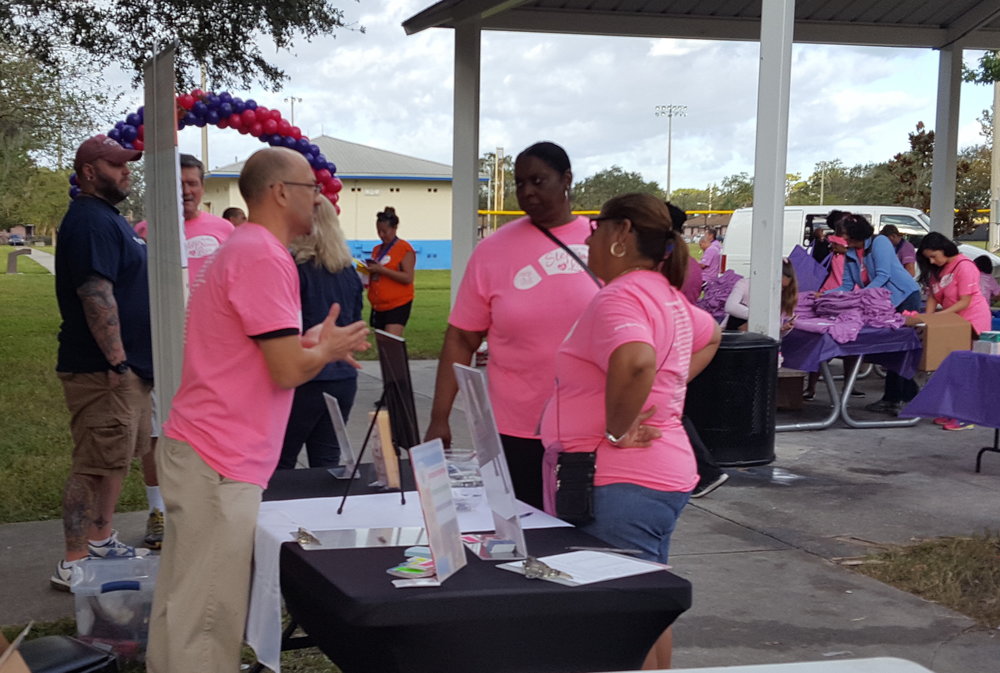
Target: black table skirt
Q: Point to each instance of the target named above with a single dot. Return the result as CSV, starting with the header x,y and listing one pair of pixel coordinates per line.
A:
x,y
482,619
317,482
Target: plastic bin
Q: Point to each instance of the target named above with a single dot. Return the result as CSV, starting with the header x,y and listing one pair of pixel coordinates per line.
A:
x,y
732,402
113,599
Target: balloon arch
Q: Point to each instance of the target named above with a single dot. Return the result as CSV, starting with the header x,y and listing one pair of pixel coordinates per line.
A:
x,y
224,110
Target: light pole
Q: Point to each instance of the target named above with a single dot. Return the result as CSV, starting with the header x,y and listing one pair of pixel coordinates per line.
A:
x,y
293,100
670,111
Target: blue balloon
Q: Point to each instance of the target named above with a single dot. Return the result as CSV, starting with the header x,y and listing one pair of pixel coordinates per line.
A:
x,y
275,140
226,97
225,109
314,150
199,109
128,146
289,142
239,106
115,134
189,119
133,119
321,160
212,101
332,167
142,114
73,180
129,133
302,145
74,192
251,104
119,125
212,117
199,122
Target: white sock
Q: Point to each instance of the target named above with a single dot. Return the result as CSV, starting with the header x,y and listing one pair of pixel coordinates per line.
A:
x,y
101,543
154,498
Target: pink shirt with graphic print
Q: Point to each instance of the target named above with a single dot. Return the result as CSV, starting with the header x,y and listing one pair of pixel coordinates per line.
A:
x,y
227,407
640,306
956,279
526,292
204,234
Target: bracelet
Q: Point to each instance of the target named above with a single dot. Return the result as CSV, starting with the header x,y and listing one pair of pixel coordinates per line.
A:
x,y
611,438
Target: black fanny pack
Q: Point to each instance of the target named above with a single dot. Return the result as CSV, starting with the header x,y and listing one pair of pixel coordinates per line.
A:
x,y
575,487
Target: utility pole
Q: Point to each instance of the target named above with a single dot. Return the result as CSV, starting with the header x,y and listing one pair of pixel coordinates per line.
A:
x,y
670,111
994,227
204,129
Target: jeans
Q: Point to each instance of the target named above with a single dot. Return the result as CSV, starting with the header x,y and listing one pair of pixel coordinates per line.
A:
x,y
630,516
898,389
309,423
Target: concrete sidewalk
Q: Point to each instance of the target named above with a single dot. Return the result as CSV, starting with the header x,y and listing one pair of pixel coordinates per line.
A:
x,y
758,550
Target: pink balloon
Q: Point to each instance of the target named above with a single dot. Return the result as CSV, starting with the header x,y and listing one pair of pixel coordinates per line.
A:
x,y
337,208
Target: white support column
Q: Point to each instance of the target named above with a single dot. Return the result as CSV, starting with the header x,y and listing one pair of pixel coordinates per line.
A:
x,y
167,277
465,151
994,228
946,140
776,26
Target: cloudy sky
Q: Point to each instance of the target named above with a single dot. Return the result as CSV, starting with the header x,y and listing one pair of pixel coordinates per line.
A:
x,y
596,97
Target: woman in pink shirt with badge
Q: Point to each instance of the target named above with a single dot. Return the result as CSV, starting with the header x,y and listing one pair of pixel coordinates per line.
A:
x,y
525,286
621,379
952,280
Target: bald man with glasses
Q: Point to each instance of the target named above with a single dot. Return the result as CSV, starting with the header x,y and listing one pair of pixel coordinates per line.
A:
x,y
244,354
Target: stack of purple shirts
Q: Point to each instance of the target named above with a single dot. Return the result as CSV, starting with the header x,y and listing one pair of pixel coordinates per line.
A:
x,y
843,314
717,291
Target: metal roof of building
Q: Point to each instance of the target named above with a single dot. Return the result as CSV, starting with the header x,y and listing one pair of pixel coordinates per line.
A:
x,y
975,24
355,160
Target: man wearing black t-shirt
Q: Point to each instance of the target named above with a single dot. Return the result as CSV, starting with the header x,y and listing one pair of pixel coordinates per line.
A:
x,y
105,359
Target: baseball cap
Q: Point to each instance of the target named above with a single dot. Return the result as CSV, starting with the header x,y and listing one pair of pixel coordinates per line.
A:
x,y
102,147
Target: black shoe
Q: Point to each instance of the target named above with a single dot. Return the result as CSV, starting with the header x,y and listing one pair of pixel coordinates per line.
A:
x,y
703,489
884,407
857,393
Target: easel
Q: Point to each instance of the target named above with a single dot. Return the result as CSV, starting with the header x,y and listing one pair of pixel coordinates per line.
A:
x,y
379,406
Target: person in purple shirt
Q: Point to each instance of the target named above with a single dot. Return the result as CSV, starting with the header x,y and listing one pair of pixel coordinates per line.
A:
x,y
711,256
905,252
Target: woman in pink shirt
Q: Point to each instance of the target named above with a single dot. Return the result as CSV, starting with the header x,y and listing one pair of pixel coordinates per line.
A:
x,y
525,290
621,378
952,280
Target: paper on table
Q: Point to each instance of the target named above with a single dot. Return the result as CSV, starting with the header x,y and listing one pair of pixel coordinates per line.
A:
x,y
588,567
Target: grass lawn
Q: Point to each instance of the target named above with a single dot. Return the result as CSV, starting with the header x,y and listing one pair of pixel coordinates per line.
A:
x,y
35,444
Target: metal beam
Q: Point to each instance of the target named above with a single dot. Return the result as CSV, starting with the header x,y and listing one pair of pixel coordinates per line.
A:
x,y
946,140
454,13
971,21
465,150
770,158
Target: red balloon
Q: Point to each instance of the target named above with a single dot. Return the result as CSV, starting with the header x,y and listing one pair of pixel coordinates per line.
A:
x,y
336,185
141,132
186,101
223,123
256,129
275,115
197,93
270,126
295,132
244,130
138,144
284,126
249,117
236,121
324,175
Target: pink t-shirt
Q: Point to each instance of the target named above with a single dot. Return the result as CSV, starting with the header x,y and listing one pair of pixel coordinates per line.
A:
x,y
227,407
711,260
640,306
988,286
957,278
203,235
526,292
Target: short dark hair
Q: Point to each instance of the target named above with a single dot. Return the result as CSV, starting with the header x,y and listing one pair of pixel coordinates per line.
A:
x,y
857,228
713,231
388,215
191,161
890,230
984,264
231,211
552,154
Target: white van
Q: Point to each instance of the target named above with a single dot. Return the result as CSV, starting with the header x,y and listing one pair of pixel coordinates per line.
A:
x,y
799,223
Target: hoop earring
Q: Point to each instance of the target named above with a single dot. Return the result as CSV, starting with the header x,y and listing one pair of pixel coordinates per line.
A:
x,y
618,249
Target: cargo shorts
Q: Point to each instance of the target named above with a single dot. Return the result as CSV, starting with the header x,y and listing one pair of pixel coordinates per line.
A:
x,y
110,426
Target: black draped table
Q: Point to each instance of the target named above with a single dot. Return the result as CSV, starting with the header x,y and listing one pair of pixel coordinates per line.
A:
x,y
898,350
481,619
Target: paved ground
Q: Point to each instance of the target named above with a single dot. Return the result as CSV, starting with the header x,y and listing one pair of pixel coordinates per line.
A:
x,y
758,550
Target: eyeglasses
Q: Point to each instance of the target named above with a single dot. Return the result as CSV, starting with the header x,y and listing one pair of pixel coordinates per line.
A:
x,y
315,186
595,222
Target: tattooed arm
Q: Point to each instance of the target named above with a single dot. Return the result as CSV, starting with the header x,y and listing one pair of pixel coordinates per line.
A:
x,y
99,306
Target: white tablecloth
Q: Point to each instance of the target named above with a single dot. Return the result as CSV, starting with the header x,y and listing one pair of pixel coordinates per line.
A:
x,y
279,520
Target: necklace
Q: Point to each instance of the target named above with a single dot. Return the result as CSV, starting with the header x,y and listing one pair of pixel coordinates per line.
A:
x,y
634,268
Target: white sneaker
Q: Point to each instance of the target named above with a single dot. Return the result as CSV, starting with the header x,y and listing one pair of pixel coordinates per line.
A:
x,y
61,577
115,548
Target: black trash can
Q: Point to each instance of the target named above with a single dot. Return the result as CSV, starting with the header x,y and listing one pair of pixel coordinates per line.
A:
x,y
731,402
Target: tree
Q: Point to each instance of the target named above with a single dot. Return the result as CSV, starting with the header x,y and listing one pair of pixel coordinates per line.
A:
x,y
591,193
488,168
987,71
735,191
220,35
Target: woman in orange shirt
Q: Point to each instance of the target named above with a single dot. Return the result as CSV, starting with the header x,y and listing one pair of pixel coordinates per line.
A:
x,y
390,289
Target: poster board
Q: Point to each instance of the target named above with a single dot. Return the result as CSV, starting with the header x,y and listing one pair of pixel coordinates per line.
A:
x,y
384,457
493,469
430,471
397,389
347,458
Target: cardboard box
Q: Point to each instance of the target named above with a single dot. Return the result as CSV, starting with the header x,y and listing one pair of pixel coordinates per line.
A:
x,y
788,396
942,334
10,659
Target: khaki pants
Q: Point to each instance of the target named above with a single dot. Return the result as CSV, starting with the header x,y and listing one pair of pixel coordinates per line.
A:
x,y
203,587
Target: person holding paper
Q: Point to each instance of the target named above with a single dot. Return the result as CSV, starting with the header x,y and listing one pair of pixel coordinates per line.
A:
x,y
621,379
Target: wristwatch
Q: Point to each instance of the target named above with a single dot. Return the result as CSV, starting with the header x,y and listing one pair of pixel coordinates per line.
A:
x,y
121,368
611,438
